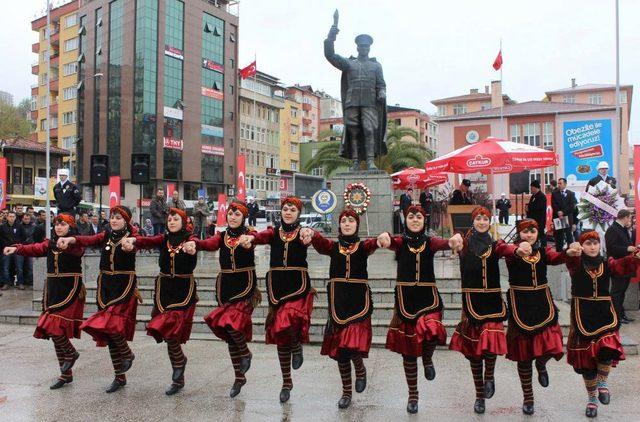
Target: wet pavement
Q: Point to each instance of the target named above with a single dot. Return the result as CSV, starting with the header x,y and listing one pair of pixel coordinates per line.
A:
x,y
29,366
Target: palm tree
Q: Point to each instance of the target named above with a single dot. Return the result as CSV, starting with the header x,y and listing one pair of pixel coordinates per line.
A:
x,y
402,154
328,157
396,133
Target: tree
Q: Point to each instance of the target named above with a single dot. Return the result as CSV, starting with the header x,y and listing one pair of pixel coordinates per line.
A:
x,y
328,158
13,123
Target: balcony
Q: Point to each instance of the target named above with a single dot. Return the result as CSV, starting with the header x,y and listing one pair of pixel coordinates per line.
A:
x,y
35,47
55,59
306,121
34,114
53,85
34,90
35,68
53,109
307,133
306,106
54,132
55,37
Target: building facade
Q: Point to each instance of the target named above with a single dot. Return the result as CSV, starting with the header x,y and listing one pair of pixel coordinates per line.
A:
x,y
290,135
310,101
421,122
6,98
473,101
262,100
142,88
330,107
60,43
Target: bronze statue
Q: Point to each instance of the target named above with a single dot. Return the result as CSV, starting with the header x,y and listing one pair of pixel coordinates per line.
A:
x,y
363,95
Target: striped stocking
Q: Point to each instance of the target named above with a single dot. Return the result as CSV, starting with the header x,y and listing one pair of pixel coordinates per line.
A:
x,y
410,364
476,371
284,356
525,371
345,373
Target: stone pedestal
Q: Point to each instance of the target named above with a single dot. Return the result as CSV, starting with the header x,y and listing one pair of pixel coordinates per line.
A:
x,y
379,213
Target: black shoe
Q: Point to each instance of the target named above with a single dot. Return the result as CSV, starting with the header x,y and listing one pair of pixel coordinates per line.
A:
x,y
344,402
285,393
361,383
412,407
115,386
127,362
245,363
173,389
58,384
297,359
603,395
236,388
528,409
67,365
429,372
591,410
178,373
543,378
478,407
489,389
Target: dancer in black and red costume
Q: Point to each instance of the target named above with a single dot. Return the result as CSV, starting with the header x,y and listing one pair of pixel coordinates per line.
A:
x,y
63,297
416,327
348,333
236,289
175,296
480,334
594,344
289,291
117,296
533,332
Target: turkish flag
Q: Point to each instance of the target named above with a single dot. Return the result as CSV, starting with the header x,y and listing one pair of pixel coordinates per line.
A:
x,y
114,191
170,188
221,221
241,194
497,63
248,71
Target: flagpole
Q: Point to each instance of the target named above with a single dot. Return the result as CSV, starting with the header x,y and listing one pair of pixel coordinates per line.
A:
x,y
502,129
255,120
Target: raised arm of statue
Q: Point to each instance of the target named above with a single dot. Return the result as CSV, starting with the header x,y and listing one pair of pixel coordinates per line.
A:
x,y
329,52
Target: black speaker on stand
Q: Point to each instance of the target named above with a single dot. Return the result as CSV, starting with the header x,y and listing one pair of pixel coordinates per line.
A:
x,y
99,173
519,185
140,174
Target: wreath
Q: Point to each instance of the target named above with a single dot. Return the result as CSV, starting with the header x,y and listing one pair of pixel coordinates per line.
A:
x,y
600,205
357,196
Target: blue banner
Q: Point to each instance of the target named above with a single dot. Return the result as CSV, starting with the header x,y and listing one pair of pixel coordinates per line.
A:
x,y
586,143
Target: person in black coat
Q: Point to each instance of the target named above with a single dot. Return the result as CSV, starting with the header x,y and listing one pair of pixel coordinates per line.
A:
x,y
563,203
11,233
426,200
39,231
462,195
603,170
620,243
537,209
67,194
406,200
503,205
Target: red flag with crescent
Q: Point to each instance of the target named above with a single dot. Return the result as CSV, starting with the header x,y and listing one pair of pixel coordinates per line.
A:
x,y
248,71
221,221
114,191
241,194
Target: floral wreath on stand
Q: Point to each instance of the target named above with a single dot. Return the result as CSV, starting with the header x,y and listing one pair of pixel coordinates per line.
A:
x,y
599,205
357,196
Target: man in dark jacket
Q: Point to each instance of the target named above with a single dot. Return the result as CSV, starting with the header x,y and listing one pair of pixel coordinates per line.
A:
x,y
28,229
462,195
620,243
503,205
537,209
159,211
406,199
426,200
84,226
563,203
254,209
11,233
67,194
39,231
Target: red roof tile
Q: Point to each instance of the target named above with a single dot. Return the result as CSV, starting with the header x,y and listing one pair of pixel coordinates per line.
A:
x,y
20,144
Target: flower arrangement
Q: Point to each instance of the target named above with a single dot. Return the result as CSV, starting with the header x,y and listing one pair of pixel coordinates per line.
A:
x,y
357,196
600,205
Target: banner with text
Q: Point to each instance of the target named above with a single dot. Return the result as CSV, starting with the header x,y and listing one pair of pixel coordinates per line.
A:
x,y
586,143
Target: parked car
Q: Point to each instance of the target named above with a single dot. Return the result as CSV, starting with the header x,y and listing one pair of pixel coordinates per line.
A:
x,y
307,219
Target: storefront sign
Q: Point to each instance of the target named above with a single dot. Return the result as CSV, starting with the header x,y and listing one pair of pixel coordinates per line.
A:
x,y
172,143
212,93
210,64
173,52
174,113
212,150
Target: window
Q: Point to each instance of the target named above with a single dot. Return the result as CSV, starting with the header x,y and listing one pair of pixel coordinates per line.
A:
x,y
70,93
485,106
27,176
294,129
70,68
459,109
34,103
44,101
531,133
442,110
623,97
17,176
43,79
318,171
294,148
294,112
535,175
515,133
42,172
43,124
571,99
294,165
547,135
69,142
595,98
69,118
71,20
72,44
548,176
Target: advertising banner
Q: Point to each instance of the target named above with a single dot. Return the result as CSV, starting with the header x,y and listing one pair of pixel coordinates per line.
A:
x,y
40,189
586,143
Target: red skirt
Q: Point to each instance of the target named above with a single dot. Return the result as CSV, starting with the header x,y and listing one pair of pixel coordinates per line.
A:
x,y
584,354
119,320
522,347
172,324
352,338
61,323
407,338
473,340
234,316
290,318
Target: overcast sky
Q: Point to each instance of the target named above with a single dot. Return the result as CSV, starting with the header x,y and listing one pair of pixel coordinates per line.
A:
x,y
428,49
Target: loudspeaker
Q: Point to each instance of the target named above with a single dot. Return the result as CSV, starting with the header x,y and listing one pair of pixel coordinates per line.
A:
x,y
99,171
519,182
140,169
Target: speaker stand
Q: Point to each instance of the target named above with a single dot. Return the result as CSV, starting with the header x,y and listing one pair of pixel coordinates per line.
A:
x,y
140,210
100,209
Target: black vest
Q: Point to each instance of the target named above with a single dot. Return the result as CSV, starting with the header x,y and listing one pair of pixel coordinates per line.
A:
x,y
530,302
481,291
115,288
113,258
592,311
61,290
175,286
237,278
348,291
416,292
287,278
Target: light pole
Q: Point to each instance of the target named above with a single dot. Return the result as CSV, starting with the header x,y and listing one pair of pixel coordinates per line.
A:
x,y
48,144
